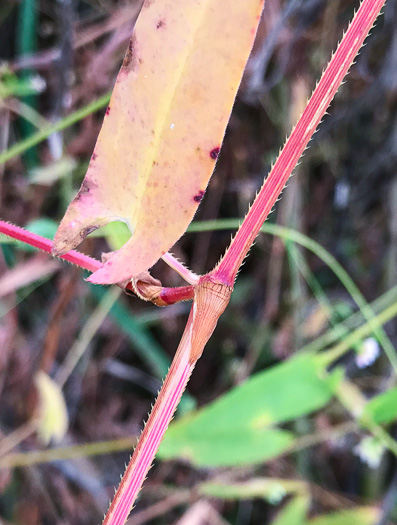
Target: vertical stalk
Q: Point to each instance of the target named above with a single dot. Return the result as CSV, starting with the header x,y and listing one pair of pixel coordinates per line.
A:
x,y
297,142
157,424
210,301
26,44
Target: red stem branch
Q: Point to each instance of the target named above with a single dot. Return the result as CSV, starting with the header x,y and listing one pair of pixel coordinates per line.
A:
x,y
168,295
75,257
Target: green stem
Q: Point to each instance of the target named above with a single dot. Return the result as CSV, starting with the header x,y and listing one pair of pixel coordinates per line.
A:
x,y
27,44
44,133
360,333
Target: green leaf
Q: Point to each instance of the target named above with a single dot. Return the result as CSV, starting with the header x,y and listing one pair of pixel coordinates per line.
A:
x,y
222,449
236,429
116,233
382,408
43,226
359,516
294,512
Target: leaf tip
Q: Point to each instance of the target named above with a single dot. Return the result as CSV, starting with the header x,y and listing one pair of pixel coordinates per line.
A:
x,y
69,236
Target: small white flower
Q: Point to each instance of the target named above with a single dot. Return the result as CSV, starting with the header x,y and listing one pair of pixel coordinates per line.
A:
x,y
342,194
55,144
276,493
38,83
368,352
370,451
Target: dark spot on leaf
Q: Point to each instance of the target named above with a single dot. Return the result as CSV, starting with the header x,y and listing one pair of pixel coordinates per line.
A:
x,y
199,196
160,24
107,110
84,187
215,152
88,230
129,62
94,156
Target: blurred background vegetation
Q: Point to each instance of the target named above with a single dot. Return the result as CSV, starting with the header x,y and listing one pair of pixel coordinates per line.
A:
x,y
297,387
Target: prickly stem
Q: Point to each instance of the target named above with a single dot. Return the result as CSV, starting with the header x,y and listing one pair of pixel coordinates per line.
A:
x,y
210,301
297,142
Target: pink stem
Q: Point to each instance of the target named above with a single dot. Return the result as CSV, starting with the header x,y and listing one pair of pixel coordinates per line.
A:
x,y
168,295
339,65
155,428
189,276
84,261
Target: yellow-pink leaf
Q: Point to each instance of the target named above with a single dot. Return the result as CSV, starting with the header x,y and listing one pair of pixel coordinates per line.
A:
x,y
53,414
163,128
